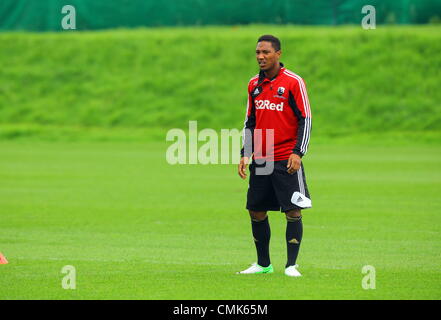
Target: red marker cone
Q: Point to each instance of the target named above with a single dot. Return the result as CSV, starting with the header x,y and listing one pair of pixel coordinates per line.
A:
x,y
3,259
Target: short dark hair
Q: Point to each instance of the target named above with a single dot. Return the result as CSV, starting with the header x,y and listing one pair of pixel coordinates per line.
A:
x,y
275,42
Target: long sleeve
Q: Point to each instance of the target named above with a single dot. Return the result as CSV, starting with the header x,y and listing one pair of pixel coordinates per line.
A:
x,y
248,130
300,104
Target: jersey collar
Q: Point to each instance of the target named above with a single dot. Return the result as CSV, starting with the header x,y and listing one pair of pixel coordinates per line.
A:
x,y
262,77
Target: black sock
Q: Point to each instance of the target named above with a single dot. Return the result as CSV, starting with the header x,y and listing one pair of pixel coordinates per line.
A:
x,y
262,235
294,232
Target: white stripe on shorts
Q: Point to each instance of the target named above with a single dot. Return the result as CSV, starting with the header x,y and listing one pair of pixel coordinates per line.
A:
x,y
301,185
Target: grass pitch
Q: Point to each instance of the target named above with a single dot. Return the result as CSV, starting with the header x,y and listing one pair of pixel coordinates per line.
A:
x,y
135,227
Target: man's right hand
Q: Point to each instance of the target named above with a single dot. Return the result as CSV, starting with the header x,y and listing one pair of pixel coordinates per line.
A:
x,y
242,169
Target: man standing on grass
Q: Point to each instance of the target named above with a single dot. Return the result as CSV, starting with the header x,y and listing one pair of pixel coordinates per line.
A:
x,y
276,134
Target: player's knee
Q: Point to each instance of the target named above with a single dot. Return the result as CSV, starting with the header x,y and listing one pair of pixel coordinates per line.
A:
x,y
258,215
293,215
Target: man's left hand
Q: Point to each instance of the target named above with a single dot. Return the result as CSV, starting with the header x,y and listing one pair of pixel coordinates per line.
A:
x,y
294,163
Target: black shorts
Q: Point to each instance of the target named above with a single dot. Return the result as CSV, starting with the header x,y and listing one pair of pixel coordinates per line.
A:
x,y
275,189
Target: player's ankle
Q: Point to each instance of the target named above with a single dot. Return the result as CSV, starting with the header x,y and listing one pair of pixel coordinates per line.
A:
x,y
264,265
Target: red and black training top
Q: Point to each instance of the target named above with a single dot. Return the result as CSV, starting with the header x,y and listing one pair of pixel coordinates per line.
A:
x,y
280,104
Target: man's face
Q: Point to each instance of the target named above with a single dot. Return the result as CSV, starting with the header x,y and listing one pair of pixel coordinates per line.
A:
x,y
266,56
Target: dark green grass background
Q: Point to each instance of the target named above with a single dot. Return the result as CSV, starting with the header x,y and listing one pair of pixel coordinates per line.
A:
x,y
84,180
358,80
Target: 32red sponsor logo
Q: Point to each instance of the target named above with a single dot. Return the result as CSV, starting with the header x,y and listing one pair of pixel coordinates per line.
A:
x,y
266,104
